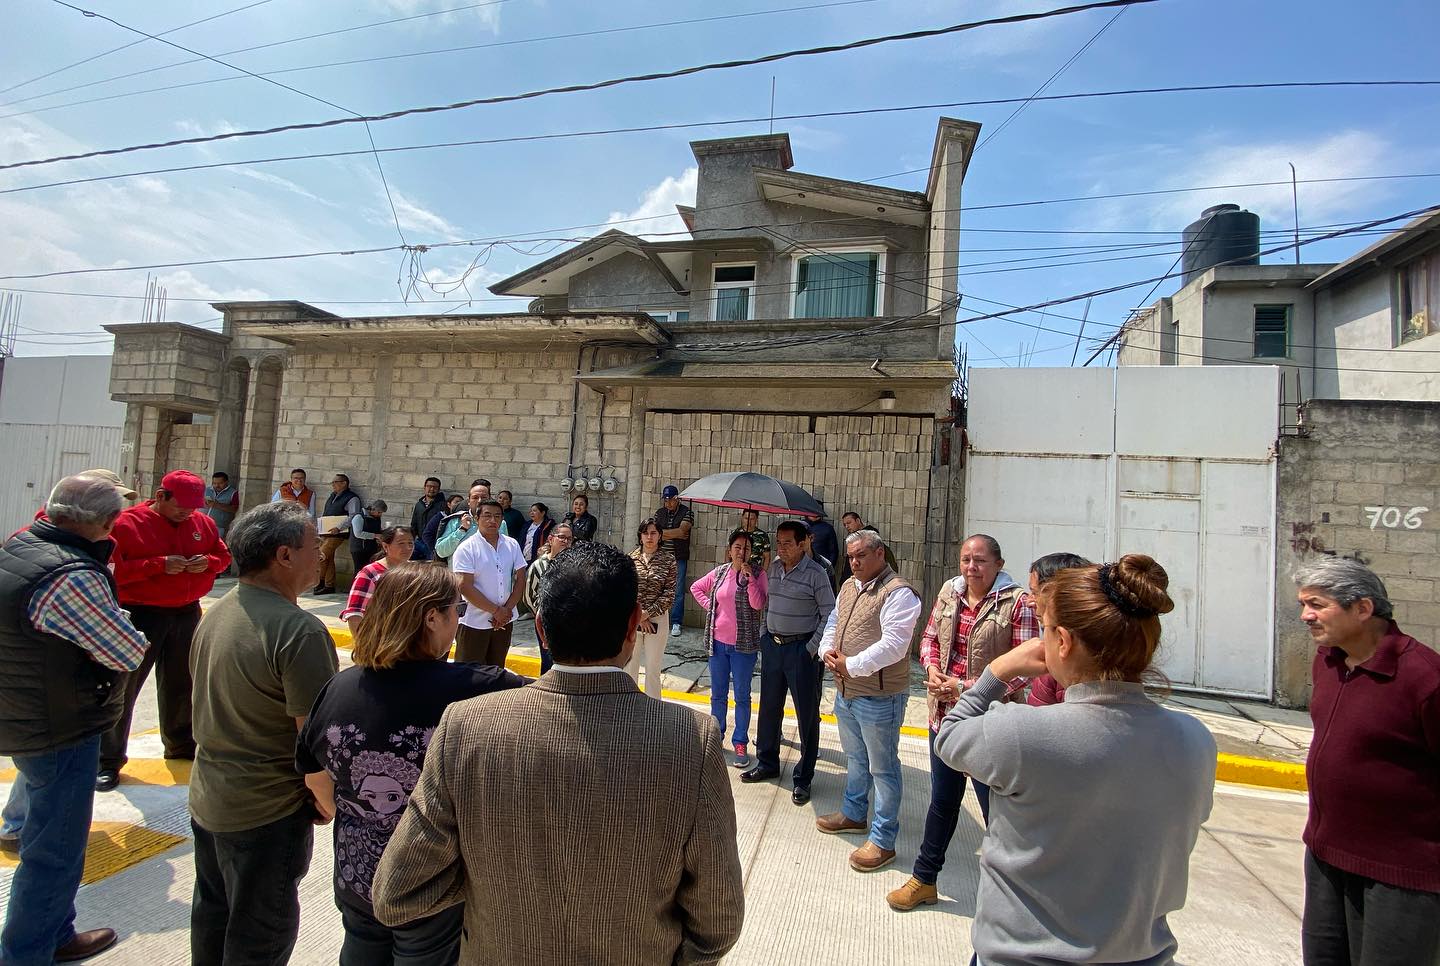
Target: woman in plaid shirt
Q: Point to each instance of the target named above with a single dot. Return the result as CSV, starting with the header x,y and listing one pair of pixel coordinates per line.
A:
x,y
397,543
978,616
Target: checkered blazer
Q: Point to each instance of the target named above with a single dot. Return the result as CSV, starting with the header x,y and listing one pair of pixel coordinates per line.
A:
x,y
579,821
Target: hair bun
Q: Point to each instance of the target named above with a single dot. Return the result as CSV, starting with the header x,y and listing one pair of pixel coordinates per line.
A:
x,y
1143,582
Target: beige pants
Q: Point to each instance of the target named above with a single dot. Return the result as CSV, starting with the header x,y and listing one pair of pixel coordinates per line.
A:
x,y
652,648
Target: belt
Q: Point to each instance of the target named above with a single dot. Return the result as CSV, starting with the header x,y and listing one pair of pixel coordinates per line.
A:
x,y
792,638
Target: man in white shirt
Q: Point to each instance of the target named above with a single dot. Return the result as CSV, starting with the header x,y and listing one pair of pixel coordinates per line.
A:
x,y
492,579
866,646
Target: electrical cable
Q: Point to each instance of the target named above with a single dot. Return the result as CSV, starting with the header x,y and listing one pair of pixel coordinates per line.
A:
x,y
116,50
238,50
682,125
426,53
598,85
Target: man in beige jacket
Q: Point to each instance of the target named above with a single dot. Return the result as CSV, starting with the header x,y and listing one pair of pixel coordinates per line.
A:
x,y
578,820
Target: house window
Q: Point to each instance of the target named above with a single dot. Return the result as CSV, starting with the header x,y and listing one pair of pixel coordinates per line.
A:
x,y
1272,331
669,315
837,285
1418,300
734,292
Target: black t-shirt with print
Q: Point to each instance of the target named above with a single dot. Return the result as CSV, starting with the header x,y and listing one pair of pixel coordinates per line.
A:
x,y
369,730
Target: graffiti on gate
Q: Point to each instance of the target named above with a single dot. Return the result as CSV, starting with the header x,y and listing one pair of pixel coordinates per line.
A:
x,y
1305,541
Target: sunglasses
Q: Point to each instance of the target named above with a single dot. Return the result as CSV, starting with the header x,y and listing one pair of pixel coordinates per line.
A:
x,y
460,607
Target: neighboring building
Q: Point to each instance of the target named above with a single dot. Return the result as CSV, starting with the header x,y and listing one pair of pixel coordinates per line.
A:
x,y
805,330
56,418
1357,330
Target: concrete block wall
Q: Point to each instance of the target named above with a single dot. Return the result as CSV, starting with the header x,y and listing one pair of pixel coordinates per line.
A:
x,y
1357,487
168,363
190,448
878,466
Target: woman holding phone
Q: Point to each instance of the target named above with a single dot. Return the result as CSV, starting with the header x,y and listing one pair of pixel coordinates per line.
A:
x,y
733,596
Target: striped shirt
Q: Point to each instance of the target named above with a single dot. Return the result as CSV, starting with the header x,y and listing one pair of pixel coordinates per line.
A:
x,y
800,601
656,591
80,607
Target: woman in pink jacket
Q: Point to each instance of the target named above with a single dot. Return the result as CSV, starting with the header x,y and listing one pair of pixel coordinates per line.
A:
x,y
733,596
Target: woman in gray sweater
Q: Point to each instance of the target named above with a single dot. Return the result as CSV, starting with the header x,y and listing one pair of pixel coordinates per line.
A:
x,y
1096,802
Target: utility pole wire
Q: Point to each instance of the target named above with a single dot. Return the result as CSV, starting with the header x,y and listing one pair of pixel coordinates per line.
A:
x,y
593,86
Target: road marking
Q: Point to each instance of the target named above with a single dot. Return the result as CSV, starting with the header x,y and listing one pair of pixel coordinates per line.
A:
x,y
114,847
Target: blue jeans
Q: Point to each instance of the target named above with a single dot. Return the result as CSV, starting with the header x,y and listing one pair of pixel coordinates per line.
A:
x,y
12,819
60,786
677,609
870,736
947,792
725,663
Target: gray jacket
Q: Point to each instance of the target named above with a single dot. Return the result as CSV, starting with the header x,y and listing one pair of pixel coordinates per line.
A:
x,y
1095,806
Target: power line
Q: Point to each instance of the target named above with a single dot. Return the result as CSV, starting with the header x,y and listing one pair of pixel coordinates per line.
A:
x,y
268,80
116,50
421,53
1050,80
227,53
682,125
599,85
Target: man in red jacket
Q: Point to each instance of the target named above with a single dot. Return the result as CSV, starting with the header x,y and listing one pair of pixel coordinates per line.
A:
x,y
166,558
1372,879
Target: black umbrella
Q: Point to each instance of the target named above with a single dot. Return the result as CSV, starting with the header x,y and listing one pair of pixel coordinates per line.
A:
x,y
752,491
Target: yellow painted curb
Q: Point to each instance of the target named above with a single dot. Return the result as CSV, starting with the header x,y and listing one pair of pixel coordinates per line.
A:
x,y
114,847
1228,768
1258,771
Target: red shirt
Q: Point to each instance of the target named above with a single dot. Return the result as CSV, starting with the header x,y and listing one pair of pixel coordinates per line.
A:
x,y
143,539
1024,625
1374,765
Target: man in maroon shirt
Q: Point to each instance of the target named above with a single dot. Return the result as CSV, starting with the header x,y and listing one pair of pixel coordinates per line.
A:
x,y
1372,862
166,558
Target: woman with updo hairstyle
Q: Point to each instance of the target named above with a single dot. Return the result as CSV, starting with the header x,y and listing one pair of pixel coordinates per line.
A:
x,y
1096,802
363,745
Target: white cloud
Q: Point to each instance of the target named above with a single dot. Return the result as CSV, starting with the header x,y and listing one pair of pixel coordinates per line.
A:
x,y
1340,155
417,218
486,14
657,206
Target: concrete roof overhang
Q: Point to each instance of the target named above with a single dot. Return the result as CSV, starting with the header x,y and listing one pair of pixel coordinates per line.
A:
x,y
552,276
676,372
847,197
1398,246
472,332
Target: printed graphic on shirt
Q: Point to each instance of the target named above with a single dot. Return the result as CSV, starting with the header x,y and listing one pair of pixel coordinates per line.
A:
x,y
372,788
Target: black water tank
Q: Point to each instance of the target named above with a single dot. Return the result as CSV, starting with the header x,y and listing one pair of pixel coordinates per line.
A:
x,y
1222,233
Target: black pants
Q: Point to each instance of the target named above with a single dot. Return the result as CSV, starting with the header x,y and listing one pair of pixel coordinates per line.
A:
x,y
788,667
169,631
362,557
434,941
490,645
1354,921
947,793
246,909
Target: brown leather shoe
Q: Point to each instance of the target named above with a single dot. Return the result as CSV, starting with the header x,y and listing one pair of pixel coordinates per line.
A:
x,y
871,857
836,823
913,893
85,945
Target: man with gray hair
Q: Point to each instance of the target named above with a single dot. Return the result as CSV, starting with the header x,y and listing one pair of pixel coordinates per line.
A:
x,y
258,662
866,646
1372,882
63,644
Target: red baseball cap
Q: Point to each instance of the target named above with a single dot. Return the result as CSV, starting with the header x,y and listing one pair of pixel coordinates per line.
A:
x,y
187,489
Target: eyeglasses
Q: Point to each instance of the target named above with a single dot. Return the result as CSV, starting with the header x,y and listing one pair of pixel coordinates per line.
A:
x,y
460,608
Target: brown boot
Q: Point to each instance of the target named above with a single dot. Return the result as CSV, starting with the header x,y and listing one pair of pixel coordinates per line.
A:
x,y
85,945
871,857
913,893
836,822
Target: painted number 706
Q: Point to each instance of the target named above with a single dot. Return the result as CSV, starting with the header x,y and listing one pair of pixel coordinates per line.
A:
x,y
1392,517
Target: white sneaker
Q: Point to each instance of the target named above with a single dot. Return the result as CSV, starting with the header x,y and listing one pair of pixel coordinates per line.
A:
x,y
674,630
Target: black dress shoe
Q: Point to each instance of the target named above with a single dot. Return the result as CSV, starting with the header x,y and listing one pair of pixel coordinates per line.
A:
x,y
758,774
318,588
107,780
800,795
10,844
85,945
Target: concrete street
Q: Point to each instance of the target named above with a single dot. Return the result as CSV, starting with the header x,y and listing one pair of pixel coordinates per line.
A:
x,y
804,904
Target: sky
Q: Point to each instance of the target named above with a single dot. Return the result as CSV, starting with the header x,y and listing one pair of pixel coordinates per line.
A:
x,y
538,195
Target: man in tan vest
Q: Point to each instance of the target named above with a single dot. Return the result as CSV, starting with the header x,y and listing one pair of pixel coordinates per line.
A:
x,y
866,646
578,820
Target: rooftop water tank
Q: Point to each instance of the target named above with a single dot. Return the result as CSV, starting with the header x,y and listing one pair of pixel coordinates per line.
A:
x,y
1222,233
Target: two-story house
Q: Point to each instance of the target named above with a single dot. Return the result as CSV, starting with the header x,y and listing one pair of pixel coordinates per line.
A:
x,y
804,328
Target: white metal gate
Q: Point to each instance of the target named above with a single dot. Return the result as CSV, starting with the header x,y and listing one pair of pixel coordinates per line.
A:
x,y
1175,462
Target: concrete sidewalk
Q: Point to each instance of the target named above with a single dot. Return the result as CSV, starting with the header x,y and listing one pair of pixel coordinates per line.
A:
x,y
1259,744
